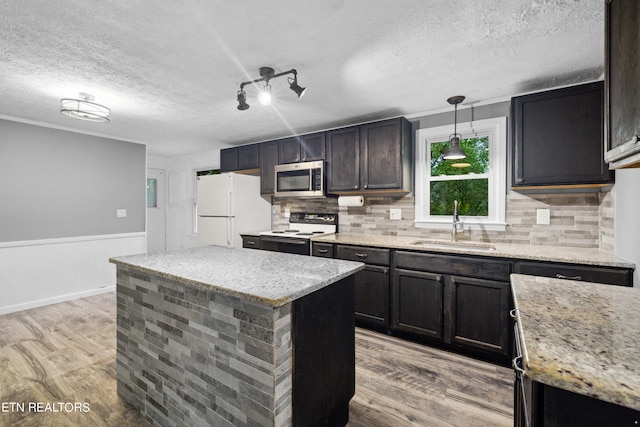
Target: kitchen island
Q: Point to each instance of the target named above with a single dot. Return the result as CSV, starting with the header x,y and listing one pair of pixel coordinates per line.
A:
x,y
236,337
579,361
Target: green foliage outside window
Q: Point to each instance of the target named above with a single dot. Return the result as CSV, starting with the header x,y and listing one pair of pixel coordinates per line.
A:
x,y
471,191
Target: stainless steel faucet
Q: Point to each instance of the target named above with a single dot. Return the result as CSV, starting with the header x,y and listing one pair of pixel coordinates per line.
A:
x,y
458,227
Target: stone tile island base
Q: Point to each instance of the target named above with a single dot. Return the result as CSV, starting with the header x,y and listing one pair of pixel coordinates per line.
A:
x,y
191,355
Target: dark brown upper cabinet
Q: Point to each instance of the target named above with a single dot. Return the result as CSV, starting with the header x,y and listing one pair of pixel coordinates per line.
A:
x,y
622,85
370,158
268,161
557,140
229,159
343,160
243,158
302,148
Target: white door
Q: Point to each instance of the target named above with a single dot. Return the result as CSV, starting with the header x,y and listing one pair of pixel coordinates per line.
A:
x,y
215,230
215,195
156,218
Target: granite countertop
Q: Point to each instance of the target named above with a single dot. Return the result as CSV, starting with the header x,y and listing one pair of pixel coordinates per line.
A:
x,y
503,250
581,337
272,278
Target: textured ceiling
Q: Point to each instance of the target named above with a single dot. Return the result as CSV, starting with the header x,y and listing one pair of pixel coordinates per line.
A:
x,y
170,70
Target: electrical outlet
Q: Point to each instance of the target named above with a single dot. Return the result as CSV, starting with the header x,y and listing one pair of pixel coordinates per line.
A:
x,y
543,216
395,214
121,213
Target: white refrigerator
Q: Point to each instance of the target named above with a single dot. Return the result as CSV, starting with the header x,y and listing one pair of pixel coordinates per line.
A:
x,y
229,204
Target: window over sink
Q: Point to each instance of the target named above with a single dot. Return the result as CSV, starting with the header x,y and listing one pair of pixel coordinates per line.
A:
x,y
478,182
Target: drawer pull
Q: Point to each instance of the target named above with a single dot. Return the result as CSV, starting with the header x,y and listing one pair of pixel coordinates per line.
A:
x,y
562,276
251,242
512,313
323,251
361,255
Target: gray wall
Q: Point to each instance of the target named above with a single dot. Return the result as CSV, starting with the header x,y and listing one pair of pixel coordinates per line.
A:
x,y
56,184
499,109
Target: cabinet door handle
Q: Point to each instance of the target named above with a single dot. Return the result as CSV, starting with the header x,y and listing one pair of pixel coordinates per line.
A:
x,y
562,276
512,313
323,251
251,242
520,180
361,255
366,186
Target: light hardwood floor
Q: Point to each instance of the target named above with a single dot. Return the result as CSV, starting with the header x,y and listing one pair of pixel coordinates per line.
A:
x,y
64,354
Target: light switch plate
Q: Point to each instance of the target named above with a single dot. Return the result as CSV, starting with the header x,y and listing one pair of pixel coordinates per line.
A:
x,y
543,216
395,214
121,213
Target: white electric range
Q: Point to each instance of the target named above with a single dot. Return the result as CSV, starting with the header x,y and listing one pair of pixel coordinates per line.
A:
x,y
297,238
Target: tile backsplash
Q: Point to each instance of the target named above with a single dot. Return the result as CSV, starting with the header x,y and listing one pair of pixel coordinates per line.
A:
x,y
577,219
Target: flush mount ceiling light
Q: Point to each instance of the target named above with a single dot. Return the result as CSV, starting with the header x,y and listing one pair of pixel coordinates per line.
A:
x,y
266,74
84,109
454,152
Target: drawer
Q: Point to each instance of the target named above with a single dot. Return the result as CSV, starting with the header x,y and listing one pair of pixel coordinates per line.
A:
x,y
322,249
252,242
367,255
484,268
586,273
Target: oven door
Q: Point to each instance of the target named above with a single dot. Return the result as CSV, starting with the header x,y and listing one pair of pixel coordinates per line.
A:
x,y
288,245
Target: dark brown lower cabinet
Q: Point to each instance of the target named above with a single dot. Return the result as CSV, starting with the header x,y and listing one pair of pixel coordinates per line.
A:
x,y
458,302
323,371
418,303
466,314
372,295
598,274
250,241
538,404
371,284
477,314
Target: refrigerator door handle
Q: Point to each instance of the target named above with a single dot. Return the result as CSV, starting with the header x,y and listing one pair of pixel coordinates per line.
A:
x,y
230,211
229,231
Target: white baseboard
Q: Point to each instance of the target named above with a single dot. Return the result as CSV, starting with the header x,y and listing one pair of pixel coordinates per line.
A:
x,y
55,300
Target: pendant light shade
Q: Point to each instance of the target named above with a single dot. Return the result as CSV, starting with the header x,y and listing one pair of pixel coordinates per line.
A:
x,y
455,152
85,109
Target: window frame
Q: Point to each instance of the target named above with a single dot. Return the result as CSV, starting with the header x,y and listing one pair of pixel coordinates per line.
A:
x,y
496,129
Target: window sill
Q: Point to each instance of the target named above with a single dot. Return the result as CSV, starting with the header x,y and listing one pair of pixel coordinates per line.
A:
x,y
468,225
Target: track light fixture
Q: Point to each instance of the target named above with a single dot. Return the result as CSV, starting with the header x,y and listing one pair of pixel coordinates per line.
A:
x,y
266,74
455,152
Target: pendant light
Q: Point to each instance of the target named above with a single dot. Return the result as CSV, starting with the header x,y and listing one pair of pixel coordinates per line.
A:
x,y
455,152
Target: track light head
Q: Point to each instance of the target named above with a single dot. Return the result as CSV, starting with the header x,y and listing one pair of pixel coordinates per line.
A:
x,y
293,85
265,95
242,100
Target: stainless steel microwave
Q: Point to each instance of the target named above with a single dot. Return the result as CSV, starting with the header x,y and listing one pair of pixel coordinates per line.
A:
x,y
300,179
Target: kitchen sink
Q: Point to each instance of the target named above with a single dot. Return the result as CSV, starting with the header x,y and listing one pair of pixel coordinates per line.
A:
x,y
447,244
